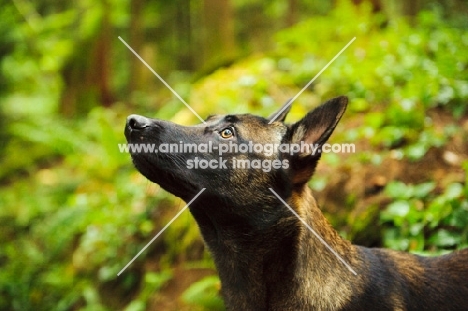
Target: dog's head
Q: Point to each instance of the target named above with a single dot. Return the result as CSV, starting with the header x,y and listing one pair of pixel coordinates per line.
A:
x,y
205,156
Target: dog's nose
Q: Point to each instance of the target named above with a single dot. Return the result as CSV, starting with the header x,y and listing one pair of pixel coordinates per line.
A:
x,y
135,121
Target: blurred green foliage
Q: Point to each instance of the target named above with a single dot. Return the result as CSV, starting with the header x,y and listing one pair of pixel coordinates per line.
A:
x,y
74,211
205,293
425,219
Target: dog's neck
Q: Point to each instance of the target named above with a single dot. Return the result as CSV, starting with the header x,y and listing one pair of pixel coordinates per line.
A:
x,y
253,265
325,282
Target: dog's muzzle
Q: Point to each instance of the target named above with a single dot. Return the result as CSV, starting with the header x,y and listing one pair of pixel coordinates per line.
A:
x,y
136,122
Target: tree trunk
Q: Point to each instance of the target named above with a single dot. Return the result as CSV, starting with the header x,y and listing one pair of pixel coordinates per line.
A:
x,y
103,54
184,35
291,14
87,74
219,38
136,42
376,5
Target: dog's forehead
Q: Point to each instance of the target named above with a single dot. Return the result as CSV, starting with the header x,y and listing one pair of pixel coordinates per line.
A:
x,y
247,118
213,118
249,127
254,128
242,120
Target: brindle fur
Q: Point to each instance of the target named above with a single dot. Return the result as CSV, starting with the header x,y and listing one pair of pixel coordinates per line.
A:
x,y
266,258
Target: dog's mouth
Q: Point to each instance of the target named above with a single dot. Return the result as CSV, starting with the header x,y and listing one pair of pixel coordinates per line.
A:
x,y
143,136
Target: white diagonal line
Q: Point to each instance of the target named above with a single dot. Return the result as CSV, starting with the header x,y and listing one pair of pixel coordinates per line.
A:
x,y
162,230
162,80
315,233
313,79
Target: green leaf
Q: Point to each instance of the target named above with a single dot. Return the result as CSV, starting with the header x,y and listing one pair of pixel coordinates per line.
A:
x,y
156,280
453,191
422,190
416,151
397,189
374,119
443,238
136,305
397,209
204,293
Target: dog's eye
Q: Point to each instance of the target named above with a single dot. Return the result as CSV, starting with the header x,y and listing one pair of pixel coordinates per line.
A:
x,y
226,133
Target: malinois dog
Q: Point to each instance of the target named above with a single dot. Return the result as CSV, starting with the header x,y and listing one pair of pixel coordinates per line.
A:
x,y
267,259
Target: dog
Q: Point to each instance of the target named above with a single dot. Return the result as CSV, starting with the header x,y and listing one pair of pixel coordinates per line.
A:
x,y
266,257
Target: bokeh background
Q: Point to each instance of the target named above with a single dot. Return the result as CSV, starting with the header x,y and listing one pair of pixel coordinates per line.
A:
x,y
73,210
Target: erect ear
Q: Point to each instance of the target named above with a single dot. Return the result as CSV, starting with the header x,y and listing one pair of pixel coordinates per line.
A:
x,y
317,126
314,130
281,114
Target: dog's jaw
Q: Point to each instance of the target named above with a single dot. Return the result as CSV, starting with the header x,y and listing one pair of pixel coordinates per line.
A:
x,y
161,168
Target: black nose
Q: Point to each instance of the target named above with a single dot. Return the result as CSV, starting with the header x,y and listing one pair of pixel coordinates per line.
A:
x,y
135,121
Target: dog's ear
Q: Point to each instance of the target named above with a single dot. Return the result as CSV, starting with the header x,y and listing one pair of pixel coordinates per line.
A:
x,y
281,114
314,130
317,126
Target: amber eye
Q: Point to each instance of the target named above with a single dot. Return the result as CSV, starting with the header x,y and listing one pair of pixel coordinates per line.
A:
x,y
226,133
